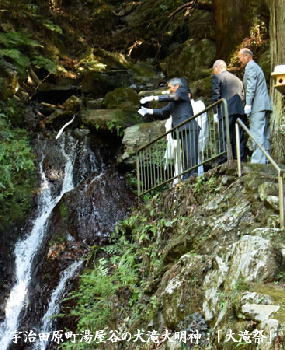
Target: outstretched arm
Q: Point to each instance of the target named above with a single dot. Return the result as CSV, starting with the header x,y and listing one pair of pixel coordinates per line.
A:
x,y
164,112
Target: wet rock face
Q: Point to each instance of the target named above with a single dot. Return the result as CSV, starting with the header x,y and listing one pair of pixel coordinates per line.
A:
x,y
85,215
90,211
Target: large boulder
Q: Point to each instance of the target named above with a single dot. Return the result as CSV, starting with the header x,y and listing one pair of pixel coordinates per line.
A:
x,y
109,119
123,98
181,290
144,74
141,134
192,59
102,71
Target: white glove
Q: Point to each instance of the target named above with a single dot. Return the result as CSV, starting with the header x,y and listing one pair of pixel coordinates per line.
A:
x,y
247,109
216,119
148,99
143,111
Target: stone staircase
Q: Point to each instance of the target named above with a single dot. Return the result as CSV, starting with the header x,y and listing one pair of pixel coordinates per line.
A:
x,y
262,180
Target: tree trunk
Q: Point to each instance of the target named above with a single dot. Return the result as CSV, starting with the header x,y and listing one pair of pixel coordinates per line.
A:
x,y
233,21
277,39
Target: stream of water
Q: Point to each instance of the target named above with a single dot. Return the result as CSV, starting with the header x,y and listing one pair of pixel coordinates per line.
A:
x,y
53,308
27,248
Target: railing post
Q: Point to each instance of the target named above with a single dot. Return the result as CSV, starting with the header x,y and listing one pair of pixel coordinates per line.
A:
x,y
179,158
138,173
281,199
228,141
238,149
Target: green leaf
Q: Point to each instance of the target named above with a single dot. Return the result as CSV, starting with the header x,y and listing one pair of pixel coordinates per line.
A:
x,y
53,27
46,63
16,56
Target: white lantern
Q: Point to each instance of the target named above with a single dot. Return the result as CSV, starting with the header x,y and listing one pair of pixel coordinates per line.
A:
x,y
279,78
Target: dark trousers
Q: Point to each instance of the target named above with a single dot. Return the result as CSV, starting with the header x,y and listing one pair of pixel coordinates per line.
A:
x,y
232,132
243,140
189,144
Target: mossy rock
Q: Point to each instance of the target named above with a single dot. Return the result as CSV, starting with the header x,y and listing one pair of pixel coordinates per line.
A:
x,y
139,135
143,72
123,98
101,60
8,84
102,71
97,84
109,119
181,290
277,294
192,59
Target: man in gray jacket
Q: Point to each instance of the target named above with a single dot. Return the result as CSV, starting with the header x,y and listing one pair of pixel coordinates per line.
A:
x,y
228,86
258,105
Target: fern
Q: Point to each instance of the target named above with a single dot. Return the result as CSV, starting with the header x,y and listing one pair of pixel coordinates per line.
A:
x,y
15,55
12,39
43,62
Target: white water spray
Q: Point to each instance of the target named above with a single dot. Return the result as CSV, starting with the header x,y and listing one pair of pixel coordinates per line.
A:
x,y
64,126
26,249
54,305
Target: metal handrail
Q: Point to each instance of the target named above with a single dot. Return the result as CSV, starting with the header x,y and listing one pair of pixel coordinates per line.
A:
x,y
149,162
187,121
279,170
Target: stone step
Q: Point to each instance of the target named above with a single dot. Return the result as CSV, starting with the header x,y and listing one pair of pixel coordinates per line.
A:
x,y
267,169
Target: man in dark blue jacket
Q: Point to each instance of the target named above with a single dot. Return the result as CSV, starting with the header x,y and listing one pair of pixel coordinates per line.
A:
x,y
179,107
228,86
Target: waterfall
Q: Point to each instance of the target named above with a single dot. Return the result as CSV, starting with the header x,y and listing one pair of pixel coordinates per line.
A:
x,y
53,307
64,126
27,248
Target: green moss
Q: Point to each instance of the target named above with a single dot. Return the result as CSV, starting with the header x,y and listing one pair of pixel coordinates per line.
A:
x,y
64,211
100,60
109,119
277,293
192,59
122,98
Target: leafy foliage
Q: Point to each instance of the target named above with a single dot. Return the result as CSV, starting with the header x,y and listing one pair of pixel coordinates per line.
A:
x,y
52,27
21,51
16,169
118,275
43,62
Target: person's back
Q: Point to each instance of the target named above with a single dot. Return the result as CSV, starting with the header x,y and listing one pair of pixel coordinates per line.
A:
x,y
258,105
257,95
227,85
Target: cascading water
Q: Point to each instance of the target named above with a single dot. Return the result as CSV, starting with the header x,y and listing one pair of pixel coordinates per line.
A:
x,y
64,126
53,307
26,249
